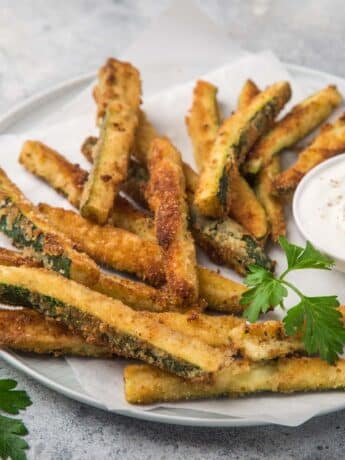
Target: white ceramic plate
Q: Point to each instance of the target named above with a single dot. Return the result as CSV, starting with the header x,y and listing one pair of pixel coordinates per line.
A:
x,y
56,373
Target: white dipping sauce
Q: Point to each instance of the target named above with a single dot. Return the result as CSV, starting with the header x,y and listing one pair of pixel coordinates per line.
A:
x,y
319,207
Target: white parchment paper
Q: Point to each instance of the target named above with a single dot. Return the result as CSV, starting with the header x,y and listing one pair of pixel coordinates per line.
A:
x,y
167,109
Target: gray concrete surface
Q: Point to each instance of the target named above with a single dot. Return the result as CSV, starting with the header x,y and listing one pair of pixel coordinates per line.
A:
x,y
43,42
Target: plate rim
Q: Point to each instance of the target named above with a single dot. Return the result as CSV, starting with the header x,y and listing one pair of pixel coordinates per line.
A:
x,y
18,111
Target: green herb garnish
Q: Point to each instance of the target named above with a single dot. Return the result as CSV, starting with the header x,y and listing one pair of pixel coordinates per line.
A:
x,y
12,445
316,319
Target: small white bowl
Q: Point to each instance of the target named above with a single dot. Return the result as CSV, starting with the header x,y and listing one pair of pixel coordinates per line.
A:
x,y
309,201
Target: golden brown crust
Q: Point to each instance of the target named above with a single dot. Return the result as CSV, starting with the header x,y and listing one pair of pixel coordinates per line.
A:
x,y
114,247
88,148
146,384
111,156
246,209
273,204
167,199
203,120
248,92
12,258
29,331
329,142
300,121
66,178
117,81
235,137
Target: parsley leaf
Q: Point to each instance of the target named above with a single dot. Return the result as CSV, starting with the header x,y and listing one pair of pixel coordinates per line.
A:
x,y
11,401
11,444
315,319
266,293
308,257
321,324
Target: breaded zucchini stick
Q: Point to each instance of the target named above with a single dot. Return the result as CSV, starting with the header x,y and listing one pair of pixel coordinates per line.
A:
x,y
28,331
117,81
329,142
203,124
235,138
167,199
227,243
246,209
66,178
114,247
30,230
273,205
111,161
203,120
98,318
11,258
220,293
146,384
248,92
145,134
299,122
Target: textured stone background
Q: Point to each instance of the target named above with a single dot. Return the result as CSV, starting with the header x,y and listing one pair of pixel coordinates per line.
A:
x,y
43,42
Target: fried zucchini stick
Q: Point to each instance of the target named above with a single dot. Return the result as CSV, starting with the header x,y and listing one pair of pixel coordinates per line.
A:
x,y
329,142
220,293
273,205
117,81
28,331
30,230
248,92
146,384
235,138
66,178
299,122
107,321
203,124
203,120
110,246
111,162
167,199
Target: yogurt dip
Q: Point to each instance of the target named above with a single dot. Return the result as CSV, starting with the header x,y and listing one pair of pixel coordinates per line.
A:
x,y
319,208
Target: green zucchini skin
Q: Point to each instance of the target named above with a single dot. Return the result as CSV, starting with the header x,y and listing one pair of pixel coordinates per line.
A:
x,y
25,234
227,243
118,342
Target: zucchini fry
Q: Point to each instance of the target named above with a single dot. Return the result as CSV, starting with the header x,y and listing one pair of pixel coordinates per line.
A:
x,y
329,142
117,81
111,155
145,134
246,209
203,120
29,230
28,331
273,205
11,258
220,293
167,199
146,384
66,178
248,92
107,321
227,243
299,122
110,246
235,138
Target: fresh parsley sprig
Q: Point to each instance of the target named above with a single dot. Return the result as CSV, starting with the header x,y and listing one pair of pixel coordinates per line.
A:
x,y
316,319
12,445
